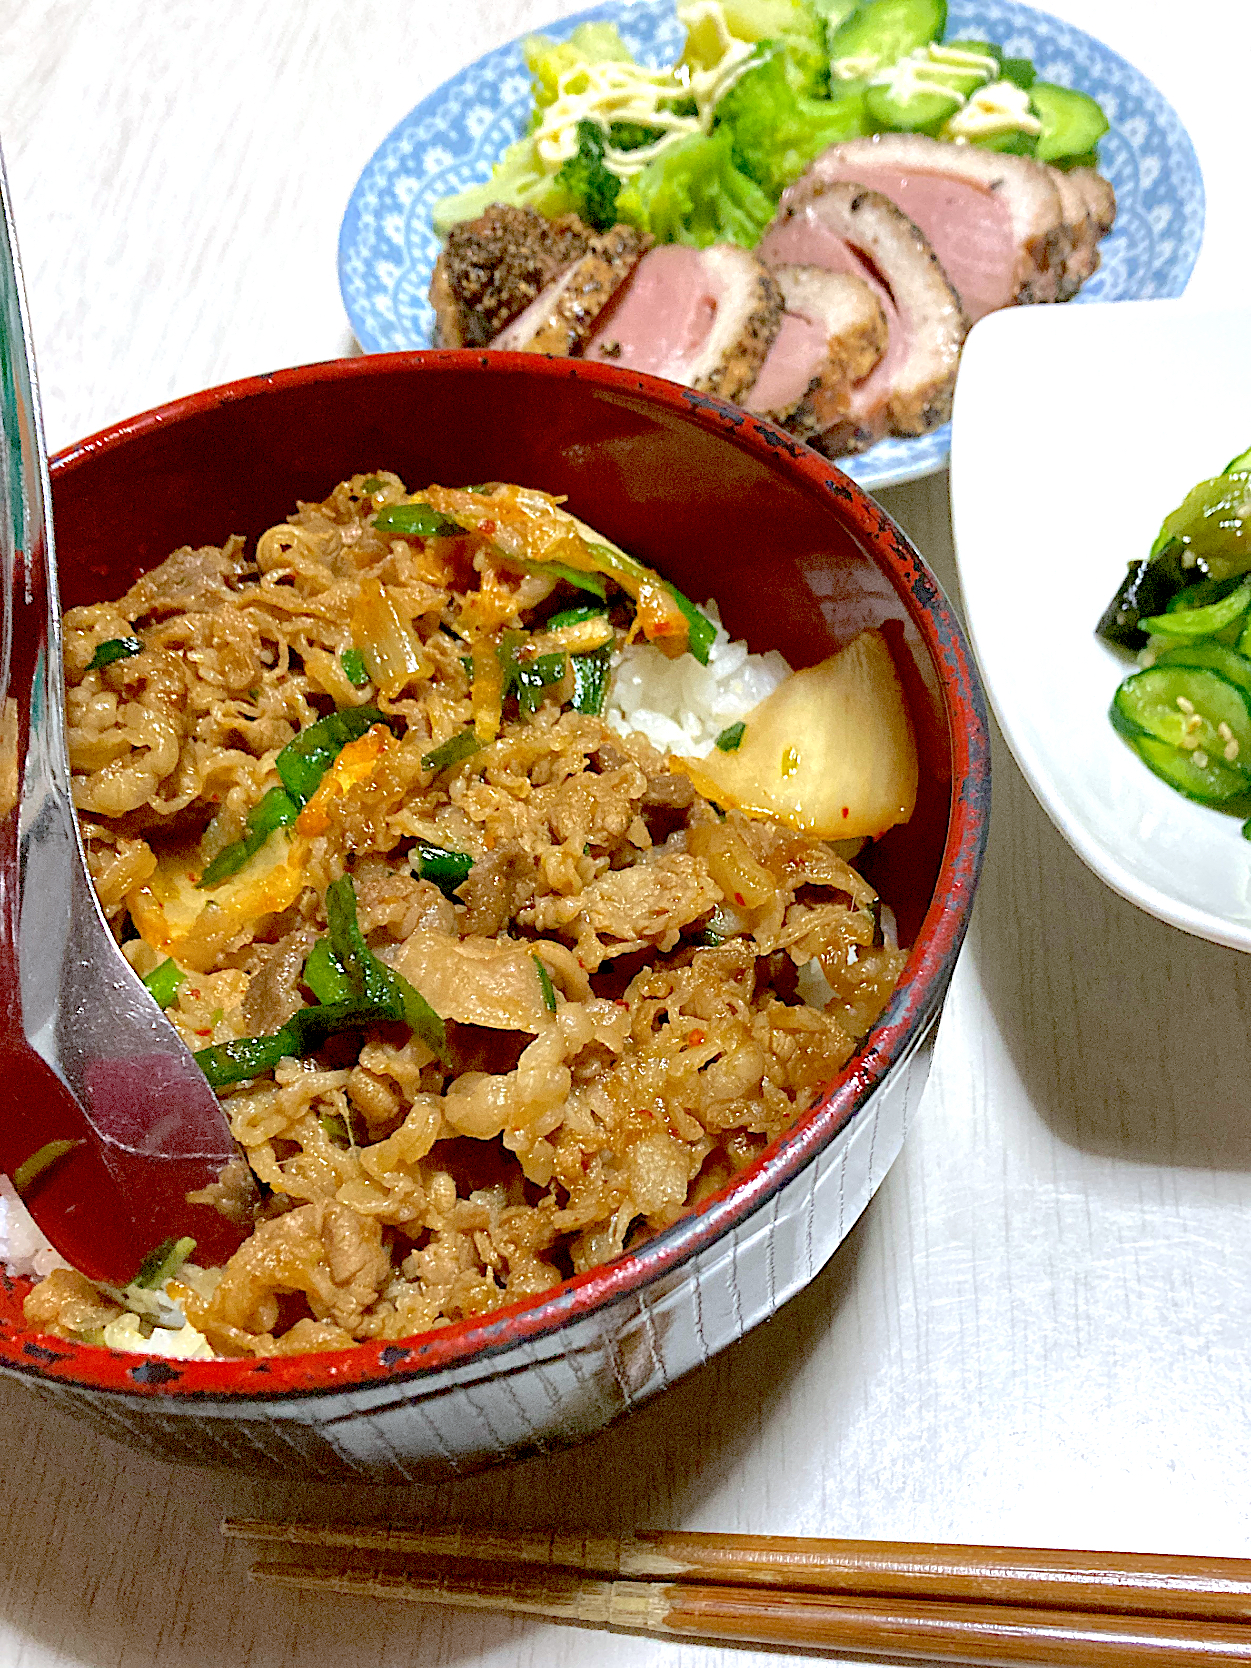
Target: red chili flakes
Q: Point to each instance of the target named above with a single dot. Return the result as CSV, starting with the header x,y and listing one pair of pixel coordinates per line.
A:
x,y
846,810
741,900
487,529
694,1038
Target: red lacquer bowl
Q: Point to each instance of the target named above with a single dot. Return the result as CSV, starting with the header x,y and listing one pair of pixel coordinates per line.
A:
x,y
800,560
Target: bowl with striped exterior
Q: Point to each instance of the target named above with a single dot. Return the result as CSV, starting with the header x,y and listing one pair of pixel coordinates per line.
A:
x,y
800,560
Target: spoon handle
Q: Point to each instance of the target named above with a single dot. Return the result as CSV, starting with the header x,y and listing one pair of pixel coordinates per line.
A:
x,y
150,1114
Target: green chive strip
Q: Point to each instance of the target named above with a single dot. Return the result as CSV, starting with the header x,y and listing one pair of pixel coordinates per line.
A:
x,y
304,1033
700,631
377,984
379,996
325,975
577,616
335,1129
594,583
455,750
590,681
415,521
163,1263
354,668
116,648
545,984
446,869
276,810
305,760
164,982
30,1170
532,677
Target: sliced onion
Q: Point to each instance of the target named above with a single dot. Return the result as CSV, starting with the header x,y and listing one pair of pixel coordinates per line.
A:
x,y
830,752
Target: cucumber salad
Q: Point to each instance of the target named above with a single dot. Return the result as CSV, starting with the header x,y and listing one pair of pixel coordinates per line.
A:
x,y
1185,608
700,151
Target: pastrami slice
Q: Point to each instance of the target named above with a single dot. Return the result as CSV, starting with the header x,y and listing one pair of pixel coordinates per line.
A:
x,y
702,317
563,316
832,334
847,228
995,221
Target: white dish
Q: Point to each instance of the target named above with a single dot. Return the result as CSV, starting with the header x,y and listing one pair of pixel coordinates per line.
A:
x,y
1075,432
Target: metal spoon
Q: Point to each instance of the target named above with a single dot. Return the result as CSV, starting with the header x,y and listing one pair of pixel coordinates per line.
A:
x,y
120,1081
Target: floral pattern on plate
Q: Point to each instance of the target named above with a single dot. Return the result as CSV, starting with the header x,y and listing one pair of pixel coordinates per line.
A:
x,y
387,246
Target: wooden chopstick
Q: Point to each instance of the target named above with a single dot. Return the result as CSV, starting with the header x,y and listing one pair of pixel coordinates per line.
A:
x,y
939,1631
1119,1583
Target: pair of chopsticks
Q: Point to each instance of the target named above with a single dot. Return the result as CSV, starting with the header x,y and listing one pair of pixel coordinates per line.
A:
x,y
956,1604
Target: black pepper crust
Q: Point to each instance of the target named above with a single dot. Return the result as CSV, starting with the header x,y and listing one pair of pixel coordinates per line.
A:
x,y
493,267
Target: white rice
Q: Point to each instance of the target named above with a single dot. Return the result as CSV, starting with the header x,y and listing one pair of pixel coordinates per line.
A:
x,y
681,706
23,1249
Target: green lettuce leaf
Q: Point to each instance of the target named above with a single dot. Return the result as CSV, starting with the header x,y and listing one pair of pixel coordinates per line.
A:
x,y
520,178
796,25
777,131
547,60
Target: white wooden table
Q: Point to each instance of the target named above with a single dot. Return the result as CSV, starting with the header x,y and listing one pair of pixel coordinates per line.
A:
x,y
1039,1332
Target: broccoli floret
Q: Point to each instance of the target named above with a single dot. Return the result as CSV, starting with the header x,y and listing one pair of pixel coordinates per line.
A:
x,y
632,136
588,181
695,194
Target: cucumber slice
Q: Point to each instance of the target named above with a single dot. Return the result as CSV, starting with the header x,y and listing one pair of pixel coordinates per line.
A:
x,y
924,110
1193,709
881,32
1020,71
1239,465
964,66
1014,142
1072,123
1215,784
1216,657
1182,620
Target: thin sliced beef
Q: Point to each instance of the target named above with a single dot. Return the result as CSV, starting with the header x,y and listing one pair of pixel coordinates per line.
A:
x,y
832,335
702,317
493,267
1083,234
562,316
846,228
994,221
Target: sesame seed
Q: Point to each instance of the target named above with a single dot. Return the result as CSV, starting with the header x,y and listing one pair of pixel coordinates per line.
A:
x,y
1189,742
1223,730
1231,750
1201,759
1184,704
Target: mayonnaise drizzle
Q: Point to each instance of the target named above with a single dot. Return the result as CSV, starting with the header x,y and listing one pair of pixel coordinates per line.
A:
x,y
616,91
1003,107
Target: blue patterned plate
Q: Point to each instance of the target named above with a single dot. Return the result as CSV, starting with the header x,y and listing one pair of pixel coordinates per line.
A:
x,y
387,247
